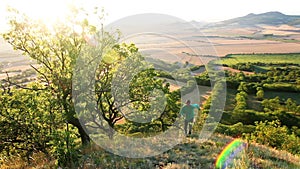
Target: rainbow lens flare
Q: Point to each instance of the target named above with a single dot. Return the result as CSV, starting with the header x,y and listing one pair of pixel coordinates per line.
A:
x,y
229,152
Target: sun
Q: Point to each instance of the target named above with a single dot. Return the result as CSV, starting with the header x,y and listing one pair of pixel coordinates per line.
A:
x,y
48,11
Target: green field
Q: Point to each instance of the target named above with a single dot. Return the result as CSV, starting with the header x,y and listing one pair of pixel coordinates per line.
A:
x,y
283,95
263,58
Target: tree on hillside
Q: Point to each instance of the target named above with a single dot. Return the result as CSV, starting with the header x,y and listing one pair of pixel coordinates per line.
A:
x,y
57,51
243,87
271,104
260,93
291,105
241,101
125,86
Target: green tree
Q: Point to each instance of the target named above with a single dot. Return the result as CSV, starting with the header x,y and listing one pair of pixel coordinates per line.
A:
x,y
126,87
260,93
243,87
241,76
29,120
271,104
58,51
241,101
291,105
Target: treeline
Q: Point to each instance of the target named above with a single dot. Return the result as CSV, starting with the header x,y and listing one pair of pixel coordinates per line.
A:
x,y
276,79
252,66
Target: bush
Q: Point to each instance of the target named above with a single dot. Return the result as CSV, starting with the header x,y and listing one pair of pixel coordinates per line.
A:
x,y
275,135
235,130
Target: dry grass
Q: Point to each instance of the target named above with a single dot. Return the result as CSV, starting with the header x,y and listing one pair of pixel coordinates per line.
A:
x,y
38,161
262,48
191,153
282,30
278,154
239,41
222,43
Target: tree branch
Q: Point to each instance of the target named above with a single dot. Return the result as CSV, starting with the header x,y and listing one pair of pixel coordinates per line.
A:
x,y
19,86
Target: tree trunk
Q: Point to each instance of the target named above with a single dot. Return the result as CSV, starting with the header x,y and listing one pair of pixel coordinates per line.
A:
x,y
85,139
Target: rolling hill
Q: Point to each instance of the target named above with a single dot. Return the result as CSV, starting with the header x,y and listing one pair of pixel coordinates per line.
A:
x,y
245,34
252,20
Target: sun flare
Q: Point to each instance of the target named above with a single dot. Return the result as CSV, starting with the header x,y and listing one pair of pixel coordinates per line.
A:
x,y
47,11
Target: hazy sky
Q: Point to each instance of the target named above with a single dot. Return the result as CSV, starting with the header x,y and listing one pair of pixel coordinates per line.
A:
x,y
199,10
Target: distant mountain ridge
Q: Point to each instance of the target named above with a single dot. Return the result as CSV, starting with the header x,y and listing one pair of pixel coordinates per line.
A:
x,y
251,20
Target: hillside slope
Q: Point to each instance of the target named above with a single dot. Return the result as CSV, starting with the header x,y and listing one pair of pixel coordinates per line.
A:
x,y
192,153
252,20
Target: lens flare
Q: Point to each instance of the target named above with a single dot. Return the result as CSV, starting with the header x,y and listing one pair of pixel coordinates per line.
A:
x,y
229,152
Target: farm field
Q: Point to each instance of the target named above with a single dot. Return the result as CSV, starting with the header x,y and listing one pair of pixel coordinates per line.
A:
x,y
263,58
12,62
203,42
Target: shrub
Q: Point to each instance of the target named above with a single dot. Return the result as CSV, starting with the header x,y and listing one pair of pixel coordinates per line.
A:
x,y
275,135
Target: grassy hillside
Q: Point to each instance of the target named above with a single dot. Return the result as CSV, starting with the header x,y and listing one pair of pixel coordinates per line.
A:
x,y
191,153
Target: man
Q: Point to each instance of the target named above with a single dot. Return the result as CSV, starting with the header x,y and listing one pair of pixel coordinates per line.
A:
x,y
187,111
